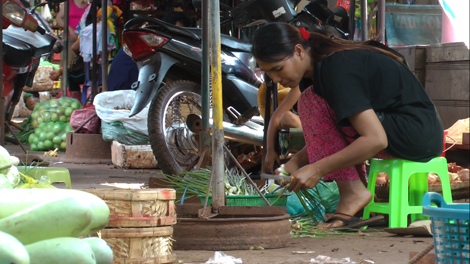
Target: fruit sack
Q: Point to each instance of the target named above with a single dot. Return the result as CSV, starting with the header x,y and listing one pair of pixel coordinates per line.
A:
x,y
50,136
115,106
55,110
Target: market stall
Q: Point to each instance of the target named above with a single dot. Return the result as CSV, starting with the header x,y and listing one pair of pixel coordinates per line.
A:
x,y
222,207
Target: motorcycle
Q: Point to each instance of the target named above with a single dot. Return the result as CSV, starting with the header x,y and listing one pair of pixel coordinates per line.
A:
x,y
169,62
26,38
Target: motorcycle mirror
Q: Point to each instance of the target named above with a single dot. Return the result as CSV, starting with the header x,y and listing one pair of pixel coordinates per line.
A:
x,y
45,3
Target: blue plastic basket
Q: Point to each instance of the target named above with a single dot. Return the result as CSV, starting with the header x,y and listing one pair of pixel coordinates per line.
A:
x,y
450,227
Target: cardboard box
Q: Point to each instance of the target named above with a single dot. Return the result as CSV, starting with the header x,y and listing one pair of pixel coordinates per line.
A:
x,y
133,157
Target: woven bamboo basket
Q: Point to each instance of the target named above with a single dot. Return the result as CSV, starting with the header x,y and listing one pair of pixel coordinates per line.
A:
x,y
140,245
139,208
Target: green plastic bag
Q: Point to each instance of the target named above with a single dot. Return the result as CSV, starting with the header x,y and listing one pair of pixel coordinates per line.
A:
x,y
117,132
329,195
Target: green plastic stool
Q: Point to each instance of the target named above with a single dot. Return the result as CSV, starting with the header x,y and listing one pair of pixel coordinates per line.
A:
x,y
55,174
401,202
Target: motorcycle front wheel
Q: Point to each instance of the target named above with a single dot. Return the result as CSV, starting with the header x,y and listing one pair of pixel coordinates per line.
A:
x,y
175,147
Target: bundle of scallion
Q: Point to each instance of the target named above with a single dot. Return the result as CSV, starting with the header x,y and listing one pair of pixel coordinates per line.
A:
x,y
311,202
196,182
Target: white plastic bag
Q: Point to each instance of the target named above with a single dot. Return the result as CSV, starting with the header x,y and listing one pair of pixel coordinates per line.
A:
x,y
221,258
46,13
115,106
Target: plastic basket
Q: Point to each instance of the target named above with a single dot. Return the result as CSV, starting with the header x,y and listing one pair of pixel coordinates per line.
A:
x,y
250,200
450,227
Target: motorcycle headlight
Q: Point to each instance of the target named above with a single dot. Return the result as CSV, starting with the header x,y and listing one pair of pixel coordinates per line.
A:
x,y
14,13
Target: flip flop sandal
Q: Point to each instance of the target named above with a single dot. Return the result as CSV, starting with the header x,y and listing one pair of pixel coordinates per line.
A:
x,y
352,221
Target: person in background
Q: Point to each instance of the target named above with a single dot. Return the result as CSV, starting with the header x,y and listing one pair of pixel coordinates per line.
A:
x,y
361,100
283,117
76,10
76,74
122,73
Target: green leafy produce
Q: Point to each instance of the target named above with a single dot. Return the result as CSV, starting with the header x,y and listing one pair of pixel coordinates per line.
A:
x,y
235,183
28,129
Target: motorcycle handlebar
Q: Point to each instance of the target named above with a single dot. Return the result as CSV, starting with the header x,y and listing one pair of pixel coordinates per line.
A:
x,y
41,30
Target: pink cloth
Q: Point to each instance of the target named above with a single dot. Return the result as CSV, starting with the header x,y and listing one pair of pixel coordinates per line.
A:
x,y
323,139
75,13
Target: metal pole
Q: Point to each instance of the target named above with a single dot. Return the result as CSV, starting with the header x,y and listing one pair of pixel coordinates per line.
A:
x,y
218,188
205,88
104,47
65,66
381,24
352,20
94,85
364,35
2,98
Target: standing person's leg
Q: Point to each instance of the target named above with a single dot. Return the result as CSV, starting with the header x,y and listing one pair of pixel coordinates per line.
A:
x,y
74,85
323,139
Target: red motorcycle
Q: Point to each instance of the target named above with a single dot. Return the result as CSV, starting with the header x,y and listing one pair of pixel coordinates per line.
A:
x,y
26,38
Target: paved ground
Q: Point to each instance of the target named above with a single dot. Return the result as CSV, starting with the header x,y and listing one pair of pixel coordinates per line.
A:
x,y
370,247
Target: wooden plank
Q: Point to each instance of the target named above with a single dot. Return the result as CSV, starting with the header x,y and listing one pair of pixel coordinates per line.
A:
x,y
444,52
450,114
448,80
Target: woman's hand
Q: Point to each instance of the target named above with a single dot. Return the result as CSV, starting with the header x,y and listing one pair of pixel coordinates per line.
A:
x,y
271,156
306,177
54,75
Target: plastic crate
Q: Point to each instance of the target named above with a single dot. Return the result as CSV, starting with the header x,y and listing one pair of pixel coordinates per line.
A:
x,y
450,228
250,200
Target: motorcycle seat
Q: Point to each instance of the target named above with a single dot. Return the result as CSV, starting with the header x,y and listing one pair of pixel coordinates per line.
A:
x,y
40,44
16,53
227,41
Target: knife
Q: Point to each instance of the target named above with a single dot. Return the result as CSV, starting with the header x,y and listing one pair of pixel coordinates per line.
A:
x,y
275,177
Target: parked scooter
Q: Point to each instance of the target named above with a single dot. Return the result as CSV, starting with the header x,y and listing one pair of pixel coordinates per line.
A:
x,y
26,38
169,61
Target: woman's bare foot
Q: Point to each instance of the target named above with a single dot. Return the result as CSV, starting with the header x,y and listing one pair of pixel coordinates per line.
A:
x,y
354,196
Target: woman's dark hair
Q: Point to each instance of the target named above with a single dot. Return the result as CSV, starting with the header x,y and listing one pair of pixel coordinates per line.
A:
x,y
276,41
173,17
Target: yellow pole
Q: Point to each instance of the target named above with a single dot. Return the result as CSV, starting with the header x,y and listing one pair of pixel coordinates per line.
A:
x,y
218,190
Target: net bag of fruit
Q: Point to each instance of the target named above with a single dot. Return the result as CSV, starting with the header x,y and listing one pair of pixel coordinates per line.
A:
x,y
49,136
55,110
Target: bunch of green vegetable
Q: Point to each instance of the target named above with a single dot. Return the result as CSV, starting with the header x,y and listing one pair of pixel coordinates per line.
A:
x,y
196,182
310,199
28,129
